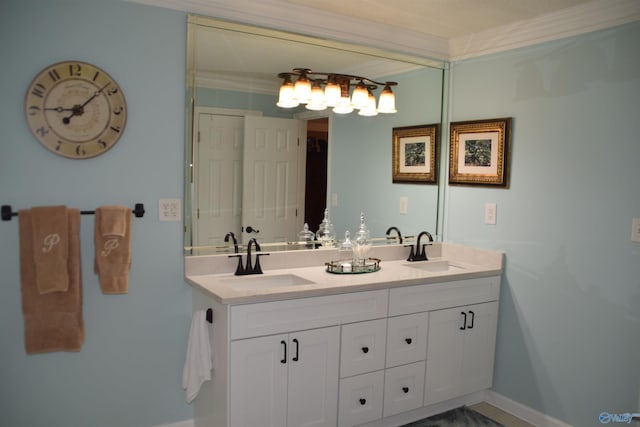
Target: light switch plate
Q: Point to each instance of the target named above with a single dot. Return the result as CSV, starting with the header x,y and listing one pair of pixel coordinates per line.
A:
x,y
404,204
490,213
169,210
635,230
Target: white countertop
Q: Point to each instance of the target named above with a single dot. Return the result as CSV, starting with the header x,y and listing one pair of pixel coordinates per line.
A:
x,y
206,273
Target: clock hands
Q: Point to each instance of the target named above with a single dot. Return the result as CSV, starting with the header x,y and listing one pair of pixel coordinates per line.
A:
x,y
78,110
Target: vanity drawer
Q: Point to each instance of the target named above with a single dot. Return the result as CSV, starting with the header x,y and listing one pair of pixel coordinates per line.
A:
x,y
407,339
362,347
434,296
361,399
403,388
266,318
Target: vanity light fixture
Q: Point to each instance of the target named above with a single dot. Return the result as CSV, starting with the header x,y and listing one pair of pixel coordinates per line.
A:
x,y
319,91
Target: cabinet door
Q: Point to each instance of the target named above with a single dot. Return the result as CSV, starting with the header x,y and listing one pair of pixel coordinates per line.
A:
x,y
258,382
313,378
479,347
445,350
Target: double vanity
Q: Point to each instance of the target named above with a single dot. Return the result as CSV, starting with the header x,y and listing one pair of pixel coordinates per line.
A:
x,y
298,345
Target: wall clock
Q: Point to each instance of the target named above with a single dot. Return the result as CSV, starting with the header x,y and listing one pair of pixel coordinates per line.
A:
x,y
75,109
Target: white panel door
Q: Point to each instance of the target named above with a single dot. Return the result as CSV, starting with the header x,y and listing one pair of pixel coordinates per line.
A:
x,y
313,378
219,178
258,386
272,178
445,350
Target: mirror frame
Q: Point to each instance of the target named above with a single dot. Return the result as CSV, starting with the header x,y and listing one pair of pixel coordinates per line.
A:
x,y
195,20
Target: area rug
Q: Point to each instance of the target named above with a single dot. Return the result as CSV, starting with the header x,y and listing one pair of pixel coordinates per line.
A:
x,y
459,417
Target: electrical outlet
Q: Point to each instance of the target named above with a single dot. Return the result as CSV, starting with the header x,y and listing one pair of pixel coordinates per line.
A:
x,y
169,210
635,230
490,213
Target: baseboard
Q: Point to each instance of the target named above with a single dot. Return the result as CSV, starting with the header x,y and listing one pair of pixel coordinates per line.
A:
x,y
521,411
185,423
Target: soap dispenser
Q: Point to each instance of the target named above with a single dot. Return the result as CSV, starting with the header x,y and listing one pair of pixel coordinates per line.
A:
x,y
362,244
325,235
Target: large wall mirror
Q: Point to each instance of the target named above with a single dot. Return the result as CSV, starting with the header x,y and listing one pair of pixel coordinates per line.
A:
x,y
236,180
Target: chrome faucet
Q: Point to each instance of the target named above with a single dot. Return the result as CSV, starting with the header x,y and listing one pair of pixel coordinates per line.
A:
x,y
420,253
393,228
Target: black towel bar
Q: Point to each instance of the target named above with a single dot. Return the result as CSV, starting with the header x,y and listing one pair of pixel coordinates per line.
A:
x,y
209,315
7,212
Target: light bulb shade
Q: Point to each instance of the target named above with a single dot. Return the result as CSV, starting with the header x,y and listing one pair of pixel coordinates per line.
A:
x,y
344,106
316,102
286,98
302,90
387,101
332,94
370,108
360,97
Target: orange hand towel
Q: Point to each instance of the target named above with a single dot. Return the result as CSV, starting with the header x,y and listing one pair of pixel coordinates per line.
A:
x,y
50,248
112,237
52,321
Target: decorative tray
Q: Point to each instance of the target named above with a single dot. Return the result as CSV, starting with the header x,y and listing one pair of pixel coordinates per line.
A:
x,y
348,267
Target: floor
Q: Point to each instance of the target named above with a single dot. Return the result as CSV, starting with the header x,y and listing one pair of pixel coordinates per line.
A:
x,y
479,415
498,415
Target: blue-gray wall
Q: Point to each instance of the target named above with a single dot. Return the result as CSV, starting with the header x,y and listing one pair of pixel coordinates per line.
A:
x,y
130,367
568,340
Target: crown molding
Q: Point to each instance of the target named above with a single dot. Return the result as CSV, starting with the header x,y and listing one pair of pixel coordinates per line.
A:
x,y
582,19
291,17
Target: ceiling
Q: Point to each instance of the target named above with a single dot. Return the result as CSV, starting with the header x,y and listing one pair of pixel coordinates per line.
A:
x,y
442,18
441,29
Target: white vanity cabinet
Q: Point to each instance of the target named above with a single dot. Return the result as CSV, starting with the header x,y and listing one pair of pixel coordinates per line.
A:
x,y
353,358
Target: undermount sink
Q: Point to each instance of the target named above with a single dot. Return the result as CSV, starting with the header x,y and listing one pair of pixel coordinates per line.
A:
x,y
260,281
439,266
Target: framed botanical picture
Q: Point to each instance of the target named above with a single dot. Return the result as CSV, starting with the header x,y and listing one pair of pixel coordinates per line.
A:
x,y
479,152
415,151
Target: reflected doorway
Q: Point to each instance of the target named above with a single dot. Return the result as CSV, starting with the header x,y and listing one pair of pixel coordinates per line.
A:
x,y
316,172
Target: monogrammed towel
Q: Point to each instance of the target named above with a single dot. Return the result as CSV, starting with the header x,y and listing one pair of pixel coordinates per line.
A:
x,y
52,321
49,225
112,238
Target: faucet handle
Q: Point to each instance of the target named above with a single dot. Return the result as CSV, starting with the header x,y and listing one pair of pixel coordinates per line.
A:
x,y
239,269
256,267
411,254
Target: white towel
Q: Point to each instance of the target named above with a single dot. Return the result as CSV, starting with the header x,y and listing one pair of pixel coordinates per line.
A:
x,y
197,366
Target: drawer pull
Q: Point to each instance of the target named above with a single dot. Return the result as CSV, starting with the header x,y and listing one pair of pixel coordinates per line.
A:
x,y
363,401
365,350
405,389
408,340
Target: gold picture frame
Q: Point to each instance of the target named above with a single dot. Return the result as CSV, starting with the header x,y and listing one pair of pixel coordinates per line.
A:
x,y
415,154
479,152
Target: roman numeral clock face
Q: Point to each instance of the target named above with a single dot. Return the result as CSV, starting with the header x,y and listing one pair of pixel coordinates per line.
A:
x,y
75,109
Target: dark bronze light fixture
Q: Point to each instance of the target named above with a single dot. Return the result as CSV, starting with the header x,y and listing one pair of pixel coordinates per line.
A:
x,y
318,91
